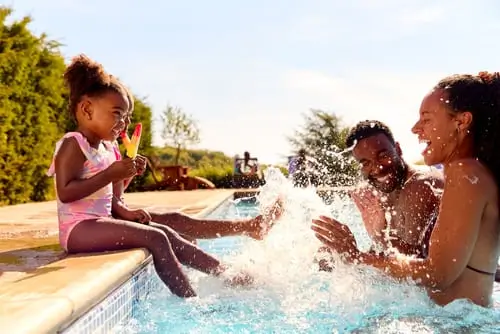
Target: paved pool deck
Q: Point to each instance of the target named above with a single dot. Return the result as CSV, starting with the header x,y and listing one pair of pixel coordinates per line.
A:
x,y
41,288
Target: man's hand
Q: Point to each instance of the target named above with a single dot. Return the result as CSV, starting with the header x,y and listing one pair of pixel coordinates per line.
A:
x,y
372,213
368,202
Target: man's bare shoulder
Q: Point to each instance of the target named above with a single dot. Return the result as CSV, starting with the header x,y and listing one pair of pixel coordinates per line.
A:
x,y
425,178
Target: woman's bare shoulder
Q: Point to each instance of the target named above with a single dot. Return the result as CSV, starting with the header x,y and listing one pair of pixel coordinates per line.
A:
x,y
473,172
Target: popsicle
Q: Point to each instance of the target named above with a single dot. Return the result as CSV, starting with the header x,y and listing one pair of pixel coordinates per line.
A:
x,y
133,146
125,139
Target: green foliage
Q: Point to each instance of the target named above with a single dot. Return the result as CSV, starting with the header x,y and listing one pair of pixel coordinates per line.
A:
x,y
32,110
220,177
195,159
323,137
212,165
179,130
283,169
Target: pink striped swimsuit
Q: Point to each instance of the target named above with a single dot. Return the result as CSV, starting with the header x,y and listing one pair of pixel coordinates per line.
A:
x,y
95,205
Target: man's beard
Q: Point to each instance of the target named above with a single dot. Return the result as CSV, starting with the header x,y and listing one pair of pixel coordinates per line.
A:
x,y
397,180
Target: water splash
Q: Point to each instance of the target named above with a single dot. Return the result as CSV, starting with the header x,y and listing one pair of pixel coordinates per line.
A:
x,y
291,295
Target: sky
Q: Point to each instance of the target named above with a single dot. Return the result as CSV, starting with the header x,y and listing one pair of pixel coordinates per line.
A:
x,y
248,71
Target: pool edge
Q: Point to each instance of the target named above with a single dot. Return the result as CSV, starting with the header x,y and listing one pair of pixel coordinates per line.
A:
x,y
67,290
215,204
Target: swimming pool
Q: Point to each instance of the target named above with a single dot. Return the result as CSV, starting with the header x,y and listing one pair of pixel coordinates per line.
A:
x,y
305,301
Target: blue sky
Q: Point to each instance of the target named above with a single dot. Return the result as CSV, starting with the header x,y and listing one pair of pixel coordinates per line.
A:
x,y
248,70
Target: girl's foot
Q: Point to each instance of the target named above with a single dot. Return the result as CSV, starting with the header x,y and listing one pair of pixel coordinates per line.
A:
x,y
240,279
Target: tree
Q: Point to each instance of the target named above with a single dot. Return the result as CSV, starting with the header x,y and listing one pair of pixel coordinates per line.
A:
x,y
33,110
323,138
179,129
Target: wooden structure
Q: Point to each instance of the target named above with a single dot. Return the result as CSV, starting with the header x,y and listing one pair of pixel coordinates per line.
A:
x,y
176,178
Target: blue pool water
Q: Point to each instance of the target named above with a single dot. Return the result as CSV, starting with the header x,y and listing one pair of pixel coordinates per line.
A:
x,y
290,296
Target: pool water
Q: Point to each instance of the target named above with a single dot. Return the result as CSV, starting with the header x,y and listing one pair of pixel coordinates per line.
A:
x,y
291,296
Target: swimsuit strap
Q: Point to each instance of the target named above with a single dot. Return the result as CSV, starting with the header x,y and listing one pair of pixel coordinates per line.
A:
x,y
480,271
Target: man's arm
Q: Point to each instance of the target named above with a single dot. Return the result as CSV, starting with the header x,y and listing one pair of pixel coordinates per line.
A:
x,y
419,207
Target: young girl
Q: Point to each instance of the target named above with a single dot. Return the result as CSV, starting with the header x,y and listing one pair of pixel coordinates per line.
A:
x,y
85,169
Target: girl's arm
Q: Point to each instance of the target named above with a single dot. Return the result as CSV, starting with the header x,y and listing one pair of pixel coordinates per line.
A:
x,y
126,183
68,167
119,209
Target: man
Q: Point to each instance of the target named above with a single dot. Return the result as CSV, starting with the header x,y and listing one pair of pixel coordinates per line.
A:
x,y
400,203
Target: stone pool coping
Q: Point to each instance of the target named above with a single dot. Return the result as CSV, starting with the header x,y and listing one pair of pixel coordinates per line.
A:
x,y
49,297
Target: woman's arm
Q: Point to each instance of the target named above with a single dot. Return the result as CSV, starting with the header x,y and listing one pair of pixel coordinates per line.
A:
x,y
453,238
68,167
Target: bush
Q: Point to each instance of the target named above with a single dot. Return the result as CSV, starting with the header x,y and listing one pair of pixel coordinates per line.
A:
x,y
33,111
220,177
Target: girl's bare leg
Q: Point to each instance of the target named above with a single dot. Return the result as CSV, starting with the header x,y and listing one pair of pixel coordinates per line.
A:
x,y
108,234
194,257
189,254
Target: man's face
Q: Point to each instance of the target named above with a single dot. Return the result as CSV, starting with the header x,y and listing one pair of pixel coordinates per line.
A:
x,y
381,162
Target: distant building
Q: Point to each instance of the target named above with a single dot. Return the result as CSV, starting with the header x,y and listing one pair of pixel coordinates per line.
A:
x,y
438,166
292,165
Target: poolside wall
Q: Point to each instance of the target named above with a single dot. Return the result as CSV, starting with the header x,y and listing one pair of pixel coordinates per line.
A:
x,y
86,294
48,298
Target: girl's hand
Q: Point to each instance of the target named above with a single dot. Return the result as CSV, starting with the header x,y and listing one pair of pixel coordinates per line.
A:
x,y
139,216
140,164
122,169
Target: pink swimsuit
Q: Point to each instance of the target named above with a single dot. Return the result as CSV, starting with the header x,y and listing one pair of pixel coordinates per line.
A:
x,y
95,205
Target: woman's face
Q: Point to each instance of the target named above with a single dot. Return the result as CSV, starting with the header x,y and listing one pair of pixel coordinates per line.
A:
x,y
437,127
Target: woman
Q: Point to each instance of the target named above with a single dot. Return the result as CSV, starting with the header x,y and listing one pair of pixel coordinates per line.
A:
x,y
459,122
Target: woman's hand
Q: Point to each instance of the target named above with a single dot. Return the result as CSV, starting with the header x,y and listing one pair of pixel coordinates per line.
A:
x,y
336,236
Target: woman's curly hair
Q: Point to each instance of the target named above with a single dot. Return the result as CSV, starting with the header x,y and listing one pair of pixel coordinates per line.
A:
x,y
479,95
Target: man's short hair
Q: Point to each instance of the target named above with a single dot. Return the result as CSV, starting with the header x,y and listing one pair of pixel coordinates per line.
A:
x,y
366,129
